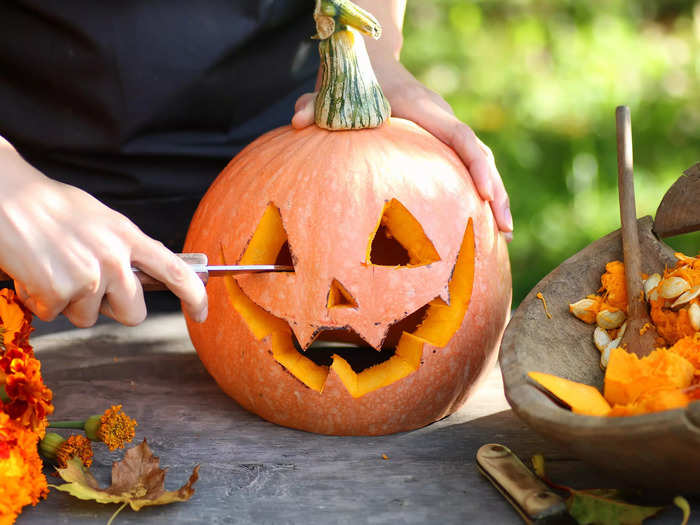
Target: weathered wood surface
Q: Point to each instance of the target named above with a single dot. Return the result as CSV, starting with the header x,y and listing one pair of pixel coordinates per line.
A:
x,y
678,211
659,451
255,472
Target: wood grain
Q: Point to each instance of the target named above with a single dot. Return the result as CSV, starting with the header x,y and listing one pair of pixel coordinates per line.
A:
x,y
679,209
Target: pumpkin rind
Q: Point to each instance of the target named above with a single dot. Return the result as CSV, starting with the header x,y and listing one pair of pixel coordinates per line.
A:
x,y
329,206
383,225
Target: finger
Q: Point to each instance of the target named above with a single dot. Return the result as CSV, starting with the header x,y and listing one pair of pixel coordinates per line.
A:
x,y
83,311
476,156
123,300
159,262
304,111
106,309
42,308
500,205
21,292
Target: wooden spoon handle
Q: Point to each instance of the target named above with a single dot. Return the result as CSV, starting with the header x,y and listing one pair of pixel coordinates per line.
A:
x,y
628,213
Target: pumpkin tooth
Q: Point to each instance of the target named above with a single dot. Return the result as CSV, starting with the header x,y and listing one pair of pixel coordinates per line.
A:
x,y
601,339
694,315
650,283
610,319
672,287
653,295
583,310
686,297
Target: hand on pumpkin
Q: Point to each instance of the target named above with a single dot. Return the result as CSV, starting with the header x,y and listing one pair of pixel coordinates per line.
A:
x,y
68,253
411,100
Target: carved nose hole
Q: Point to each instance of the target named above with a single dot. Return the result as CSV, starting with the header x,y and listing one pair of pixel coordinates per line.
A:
x,y
340,297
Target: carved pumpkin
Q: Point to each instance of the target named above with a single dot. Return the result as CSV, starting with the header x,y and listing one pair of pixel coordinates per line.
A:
x,y
401,280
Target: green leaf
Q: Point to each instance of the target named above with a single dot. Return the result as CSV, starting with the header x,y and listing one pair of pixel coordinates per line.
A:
x,y
606,507
682,503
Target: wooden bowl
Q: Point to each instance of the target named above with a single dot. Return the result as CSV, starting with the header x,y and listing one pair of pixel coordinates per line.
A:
x,y
653,451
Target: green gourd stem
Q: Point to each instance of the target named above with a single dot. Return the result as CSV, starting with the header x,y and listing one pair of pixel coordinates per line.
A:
x,y
78,425
4,396
349,95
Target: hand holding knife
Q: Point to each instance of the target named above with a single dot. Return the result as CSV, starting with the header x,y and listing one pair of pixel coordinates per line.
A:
x,y
199,263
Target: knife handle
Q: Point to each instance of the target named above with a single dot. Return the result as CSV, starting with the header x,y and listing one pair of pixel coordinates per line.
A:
x,y
535,502
196,261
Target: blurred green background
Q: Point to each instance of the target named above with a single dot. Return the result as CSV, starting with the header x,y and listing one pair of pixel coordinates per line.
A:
x,y
539,81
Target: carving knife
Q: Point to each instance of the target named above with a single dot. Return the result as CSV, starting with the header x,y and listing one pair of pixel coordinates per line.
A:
x,y
199,263
536,503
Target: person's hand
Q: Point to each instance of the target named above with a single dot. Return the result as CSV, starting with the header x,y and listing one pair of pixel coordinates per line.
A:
x,y
411,100
68,253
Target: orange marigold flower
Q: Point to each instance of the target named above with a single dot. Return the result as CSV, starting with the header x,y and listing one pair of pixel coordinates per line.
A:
x,y
21,479
15,321
62,450
29,399
114,428
75,446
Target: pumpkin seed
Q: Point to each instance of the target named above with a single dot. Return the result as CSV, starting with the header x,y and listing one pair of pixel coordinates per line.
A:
x,y
686,297
672,287
650,283
601,339
609,319
653,295
605,355
621,331
581,309
694,314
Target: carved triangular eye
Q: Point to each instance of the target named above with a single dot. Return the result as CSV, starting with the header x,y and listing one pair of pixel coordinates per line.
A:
x,y
269,244
399,239
339,297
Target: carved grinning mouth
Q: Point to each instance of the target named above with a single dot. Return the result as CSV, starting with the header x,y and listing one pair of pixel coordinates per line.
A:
x,y
361,368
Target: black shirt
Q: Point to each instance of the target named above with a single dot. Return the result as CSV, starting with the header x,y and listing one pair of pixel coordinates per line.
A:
x,y
142,103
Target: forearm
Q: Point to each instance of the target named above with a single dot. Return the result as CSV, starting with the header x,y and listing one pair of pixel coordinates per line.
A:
x,y
390,14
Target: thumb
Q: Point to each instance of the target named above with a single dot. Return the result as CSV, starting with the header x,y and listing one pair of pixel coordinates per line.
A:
x,y
304,111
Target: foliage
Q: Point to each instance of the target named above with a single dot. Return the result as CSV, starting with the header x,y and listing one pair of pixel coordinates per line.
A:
x,y
539,82
137,480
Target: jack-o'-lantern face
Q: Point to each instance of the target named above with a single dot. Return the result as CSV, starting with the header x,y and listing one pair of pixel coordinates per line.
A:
x,y
400,289
370,341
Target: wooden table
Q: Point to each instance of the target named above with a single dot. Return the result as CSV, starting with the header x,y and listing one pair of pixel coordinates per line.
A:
x,y
255,472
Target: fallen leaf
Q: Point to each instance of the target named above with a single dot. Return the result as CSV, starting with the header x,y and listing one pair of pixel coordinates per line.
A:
x,y
137,480
682,503
606,507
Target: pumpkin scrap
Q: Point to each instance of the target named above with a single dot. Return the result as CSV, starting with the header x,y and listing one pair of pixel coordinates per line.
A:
x,y
583,399
628,377
667,378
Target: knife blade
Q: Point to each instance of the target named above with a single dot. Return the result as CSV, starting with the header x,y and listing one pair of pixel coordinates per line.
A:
x,y
199,264
536,503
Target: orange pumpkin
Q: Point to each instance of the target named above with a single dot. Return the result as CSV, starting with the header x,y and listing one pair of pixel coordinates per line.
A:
x,y
401,285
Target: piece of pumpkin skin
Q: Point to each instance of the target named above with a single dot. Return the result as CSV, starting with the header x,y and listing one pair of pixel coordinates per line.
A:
x,y
581,398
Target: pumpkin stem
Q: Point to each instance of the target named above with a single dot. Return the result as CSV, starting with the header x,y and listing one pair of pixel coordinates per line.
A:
x,y
349,96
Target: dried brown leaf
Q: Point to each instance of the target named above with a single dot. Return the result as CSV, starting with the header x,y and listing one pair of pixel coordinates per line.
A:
x,y
137,480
